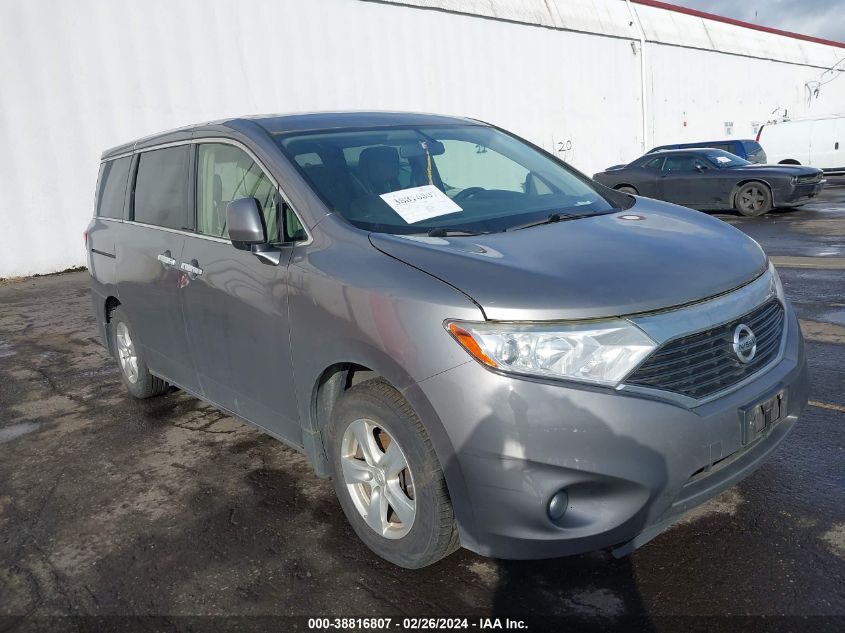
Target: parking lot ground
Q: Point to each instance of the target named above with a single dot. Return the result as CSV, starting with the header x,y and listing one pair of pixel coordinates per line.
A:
x,y
116,507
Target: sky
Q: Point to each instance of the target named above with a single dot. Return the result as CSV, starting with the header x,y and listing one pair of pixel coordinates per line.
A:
x,y
820,18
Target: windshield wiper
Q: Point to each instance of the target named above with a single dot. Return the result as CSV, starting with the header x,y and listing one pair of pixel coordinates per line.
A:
x,y
550,219
559,217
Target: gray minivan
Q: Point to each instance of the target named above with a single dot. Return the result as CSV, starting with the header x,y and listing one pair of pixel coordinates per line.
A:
x,y
480,346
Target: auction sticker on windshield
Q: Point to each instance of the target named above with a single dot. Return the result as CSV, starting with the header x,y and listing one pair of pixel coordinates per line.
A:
x,y
420,203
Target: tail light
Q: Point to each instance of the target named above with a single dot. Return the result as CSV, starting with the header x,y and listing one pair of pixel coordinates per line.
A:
x,y
759,132
85,237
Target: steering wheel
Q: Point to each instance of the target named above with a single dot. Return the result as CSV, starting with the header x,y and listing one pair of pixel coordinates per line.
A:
x,y
469,192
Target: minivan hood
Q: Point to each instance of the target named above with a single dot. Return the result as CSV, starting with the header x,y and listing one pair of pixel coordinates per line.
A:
x,y
652,256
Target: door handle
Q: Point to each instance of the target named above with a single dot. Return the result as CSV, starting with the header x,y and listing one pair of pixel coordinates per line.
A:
x,y
192,269
166,259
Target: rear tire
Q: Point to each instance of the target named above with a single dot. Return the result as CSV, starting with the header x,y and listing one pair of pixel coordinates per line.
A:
x,y
133,369
631,191
388,479
753,199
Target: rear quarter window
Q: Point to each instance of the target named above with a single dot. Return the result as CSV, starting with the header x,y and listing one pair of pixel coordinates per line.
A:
x,y
754,151
728,147
111,192
161,188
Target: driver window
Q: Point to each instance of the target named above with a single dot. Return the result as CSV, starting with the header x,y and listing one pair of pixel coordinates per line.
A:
x,y
465,165
679,163
225,173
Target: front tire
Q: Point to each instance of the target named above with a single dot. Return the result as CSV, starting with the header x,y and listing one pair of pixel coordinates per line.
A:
x,y
388,479
133,369
631,191
753,199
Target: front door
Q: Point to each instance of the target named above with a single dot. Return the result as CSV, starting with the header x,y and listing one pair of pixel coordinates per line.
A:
x,y
685,179
235,305
645,178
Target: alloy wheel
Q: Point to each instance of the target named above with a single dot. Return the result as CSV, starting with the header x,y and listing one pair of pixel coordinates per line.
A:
x,y
752,198
126,352
378,478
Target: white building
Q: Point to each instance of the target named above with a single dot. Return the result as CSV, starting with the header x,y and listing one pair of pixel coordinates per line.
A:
x,y
78,77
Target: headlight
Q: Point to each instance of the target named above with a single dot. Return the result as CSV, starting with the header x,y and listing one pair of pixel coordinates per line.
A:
x,y
777,286
600,352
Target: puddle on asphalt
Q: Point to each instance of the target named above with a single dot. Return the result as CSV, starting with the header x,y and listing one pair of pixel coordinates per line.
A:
x,y
820,226
837,316
14,431
823,331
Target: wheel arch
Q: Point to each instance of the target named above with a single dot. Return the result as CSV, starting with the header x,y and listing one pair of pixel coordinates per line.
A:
x,y
746,181
789,161
337,377
330,385
340,376
325,381
109,305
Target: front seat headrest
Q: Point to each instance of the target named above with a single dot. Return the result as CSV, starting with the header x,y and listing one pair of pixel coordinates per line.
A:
x,y
379,167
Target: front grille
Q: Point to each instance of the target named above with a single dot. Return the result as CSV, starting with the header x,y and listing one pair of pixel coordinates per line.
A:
x,y
705,363
808,178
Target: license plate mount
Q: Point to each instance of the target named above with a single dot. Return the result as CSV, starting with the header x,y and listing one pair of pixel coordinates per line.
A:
x,y
761,416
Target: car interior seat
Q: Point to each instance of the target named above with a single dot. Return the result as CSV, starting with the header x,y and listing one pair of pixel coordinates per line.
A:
x,y
378,168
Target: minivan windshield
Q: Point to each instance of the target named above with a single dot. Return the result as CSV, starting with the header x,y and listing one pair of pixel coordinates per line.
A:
x,y
721,158
447,180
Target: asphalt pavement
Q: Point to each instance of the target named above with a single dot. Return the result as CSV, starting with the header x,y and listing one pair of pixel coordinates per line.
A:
x,y
112,507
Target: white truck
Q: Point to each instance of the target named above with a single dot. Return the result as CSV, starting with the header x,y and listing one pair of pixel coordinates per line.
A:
x,y
815,141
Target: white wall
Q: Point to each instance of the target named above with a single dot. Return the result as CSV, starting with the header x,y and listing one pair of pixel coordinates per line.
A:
x,y
79,77
707,89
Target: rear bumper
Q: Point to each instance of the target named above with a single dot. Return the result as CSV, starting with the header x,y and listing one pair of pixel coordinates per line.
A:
x,y
630,465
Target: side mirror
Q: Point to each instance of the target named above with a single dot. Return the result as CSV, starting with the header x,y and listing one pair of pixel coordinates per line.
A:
x,y
699,167
245,223
248,230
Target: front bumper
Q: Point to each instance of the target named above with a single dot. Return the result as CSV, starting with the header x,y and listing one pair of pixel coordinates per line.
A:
x,y
630,464
798,194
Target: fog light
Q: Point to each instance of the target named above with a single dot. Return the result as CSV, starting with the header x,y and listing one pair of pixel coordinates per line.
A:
x,y
558,505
